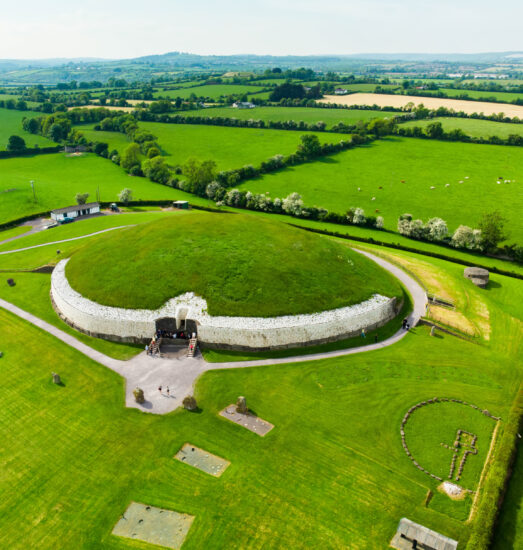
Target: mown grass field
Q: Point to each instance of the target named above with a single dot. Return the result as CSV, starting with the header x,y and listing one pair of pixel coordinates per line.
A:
x,y
291,271
321,475
472,127
212,91
58,178
502,97
298,114
11,125
406,169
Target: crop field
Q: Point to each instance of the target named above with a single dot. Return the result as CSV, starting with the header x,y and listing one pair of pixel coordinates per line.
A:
x,y
347,465
11,124
501,97
58,178
406,169
212,91
472,127
310,115
399,100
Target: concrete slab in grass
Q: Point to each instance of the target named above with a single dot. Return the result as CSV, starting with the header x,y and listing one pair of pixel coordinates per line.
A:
x,y
249,421
201,459
154,525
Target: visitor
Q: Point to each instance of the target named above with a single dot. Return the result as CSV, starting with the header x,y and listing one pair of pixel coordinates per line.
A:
x,y
363,335
167,390
404,323
146,349
160,389
407,326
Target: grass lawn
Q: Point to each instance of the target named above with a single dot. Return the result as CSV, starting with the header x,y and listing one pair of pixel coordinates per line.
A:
x,y
14,232
473,127
240,265
502,97
212,91
332,469
11,124
58,178
406,169
298,114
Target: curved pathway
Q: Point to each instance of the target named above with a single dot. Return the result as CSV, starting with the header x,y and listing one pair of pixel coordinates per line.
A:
x,y
180,374
63,240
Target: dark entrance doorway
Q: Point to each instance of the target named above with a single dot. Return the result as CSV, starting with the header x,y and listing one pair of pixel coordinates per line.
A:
x,y
166,323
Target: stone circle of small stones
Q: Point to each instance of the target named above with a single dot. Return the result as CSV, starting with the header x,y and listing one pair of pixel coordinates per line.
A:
x,y
460,432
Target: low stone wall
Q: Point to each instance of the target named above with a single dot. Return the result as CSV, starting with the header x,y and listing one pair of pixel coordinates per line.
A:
x,y
253,333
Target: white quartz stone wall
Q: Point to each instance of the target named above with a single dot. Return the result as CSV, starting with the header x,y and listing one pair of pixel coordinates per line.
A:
x,y
251,332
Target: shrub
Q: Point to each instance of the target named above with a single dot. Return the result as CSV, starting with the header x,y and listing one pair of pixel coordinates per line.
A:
x,y
136,171
81,198
16,144
379,222
293,204
436,229
125,195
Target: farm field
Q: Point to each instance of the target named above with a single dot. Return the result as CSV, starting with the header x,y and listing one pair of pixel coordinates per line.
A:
x,y
472,127
229,147
333,182
58,178
502,97
212,91
298,114
347,464
11,124
399,100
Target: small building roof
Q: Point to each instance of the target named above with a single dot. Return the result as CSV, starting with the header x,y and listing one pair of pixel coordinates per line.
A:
x,y
75,208
181,202
409,531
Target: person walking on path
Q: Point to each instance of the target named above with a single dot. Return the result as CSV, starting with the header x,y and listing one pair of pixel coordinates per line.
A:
x,y
160,389
167,390
146,349
363,335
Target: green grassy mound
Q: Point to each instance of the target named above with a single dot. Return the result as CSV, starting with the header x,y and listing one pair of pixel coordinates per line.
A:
x,y
239,264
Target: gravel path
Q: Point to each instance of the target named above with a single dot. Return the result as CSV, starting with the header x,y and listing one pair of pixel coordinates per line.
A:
x,y
180,374
59,242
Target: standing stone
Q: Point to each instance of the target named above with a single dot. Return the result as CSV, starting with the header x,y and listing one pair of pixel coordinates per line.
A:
x,y
139,396
432,330
11,282
189,403
56,378
241,405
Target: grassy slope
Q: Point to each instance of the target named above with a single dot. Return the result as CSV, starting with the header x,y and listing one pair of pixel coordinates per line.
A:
x,y
14,232
333,182
250,267
11,124
502,97
335,478
298,114
472,127
58,178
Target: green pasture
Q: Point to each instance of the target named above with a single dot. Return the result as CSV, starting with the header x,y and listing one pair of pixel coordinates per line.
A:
x,y
472,127
406,169
58,178
211,91
501,97
14,232
11,124
66,478
229,147
291,272
309,115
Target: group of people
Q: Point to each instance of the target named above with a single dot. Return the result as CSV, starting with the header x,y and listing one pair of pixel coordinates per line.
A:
x,y
405,324
183,334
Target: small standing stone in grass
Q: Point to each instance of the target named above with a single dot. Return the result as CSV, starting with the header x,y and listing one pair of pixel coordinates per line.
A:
x,y
1,353
432,330
56,378
11,282
138,395
241,405
58,252
189,403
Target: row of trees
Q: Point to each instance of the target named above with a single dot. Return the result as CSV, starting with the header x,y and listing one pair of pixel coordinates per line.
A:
x,y
490,233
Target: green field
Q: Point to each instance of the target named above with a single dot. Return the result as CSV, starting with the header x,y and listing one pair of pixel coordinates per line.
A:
x,y
58,178
212,91
472,127
501,97
306,272
331,477
11,124
229,147
333,182
310,115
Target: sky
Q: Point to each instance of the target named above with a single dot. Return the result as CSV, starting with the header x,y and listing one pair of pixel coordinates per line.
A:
x,y
112,29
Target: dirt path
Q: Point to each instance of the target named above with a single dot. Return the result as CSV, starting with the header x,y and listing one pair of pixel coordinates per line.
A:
x,y
180,374
390,100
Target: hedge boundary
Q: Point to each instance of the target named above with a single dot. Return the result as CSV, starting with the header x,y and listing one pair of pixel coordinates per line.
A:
x,y
31,151
396,246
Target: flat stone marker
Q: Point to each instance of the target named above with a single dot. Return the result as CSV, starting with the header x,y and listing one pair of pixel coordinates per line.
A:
x,y
249,421
201,459
154,525
56,378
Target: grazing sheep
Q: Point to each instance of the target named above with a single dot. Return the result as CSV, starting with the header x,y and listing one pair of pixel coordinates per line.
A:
x,y
359,188
432,187
448,184
373,199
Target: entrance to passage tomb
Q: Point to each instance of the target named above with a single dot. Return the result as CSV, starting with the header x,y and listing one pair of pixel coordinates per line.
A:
x,y
167,324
